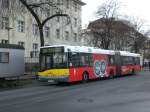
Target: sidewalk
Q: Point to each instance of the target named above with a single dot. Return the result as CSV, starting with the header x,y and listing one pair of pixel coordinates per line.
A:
x,y
146,69
28,76
22,77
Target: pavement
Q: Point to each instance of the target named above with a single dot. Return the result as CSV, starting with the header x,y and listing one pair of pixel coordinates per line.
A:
x,y
18,82
146,69
124,94
31,75
28,76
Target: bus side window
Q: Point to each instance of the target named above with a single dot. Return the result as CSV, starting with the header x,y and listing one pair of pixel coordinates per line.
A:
x,y
111,59
124,60
137,60
85,59
82,60
130,60
90,61
69,56
75,60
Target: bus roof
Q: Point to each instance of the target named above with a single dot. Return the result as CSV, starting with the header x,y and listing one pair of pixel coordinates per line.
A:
x,y
126,53
86,49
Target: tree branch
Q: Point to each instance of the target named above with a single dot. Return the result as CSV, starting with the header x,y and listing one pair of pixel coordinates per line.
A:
x,y
31,11
56,15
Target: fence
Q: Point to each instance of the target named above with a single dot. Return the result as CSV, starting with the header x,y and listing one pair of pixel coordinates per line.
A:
x,y
31,65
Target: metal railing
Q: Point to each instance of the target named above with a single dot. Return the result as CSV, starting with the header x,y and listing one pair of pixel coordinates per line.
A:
x,y
31,65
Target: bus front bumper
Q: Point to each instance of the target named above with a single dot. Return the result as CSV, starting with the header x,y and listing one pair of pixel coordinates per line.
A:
x,y
56,79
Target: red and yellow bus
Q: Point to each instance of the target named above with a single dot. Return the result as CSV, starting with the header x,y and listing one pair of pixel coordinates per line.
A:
x,y
63,63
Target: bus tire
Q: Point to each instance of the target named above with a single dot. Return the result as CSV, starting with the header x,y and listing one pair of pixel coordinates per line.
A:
x,y
133,72
111,75
85,77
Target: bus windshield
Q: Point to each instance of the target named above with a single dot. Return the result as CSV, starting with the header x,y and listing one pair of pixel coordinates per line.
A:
x,y
52,58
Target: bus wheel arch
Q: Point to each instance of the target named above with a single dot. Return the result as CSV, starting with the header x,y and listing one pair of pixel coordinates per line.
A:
x,y
85,76
111,73
133,72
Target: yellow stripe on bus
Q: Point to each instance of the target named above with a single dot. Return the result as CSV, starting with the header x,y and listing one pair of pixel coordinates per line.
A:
x,y
54,73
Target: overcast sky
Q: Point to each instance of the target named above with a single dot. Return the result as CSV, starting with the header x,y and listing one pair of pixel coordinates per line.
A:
x,y
137,8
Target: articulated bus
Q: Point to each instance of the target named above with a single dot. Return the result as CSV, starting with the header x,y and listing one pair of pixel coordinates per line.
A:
x,y
63,63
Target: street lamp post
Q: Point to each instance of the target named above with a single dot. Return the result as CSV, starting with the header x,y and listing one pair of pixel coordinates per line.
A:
x,y
8,29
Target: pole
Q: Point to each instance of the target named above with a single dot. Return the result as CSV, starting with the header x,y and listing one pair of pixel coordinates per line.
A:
x,y
8,29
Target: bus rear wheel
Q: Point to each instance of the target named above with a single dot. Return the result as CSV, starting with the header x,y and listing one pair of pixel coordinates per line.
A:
x,y
85,77
133,72
111,75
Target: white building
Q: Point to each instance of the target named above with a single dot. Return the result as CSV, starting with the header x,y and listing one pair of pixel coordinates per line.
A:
x,y
22,28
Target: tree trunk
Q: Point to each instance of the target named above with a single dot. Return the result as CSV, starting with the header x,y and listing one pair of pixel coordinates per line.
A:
x,y
41,35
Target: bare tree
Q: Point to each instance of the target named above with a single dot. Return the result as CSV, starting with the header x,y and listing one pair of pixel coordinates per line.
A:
x,y
45,5
103,36
122,35
111,33
146,50
138,35
11,7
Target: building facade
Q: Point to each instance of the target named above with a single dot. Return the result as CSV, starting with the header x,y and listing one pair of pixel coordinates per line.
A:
x,y
146,51
118,34
22,29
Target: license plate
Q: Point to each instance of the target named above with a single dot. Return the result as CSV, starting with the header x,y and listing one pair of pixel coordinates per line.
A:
x,y
51,81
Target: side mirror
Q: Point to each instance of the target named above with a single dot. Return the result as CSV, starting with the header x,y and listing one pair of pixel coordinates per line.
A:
x,y
70,64
70,56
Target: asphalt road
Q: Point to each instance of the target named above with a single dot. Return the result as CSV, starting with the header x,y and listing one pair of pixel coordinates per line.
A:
x,y
125,94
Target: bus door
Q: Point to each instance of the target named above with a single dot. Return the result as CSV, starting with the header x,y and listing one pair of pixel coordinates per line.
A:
x,y
118,63
74,62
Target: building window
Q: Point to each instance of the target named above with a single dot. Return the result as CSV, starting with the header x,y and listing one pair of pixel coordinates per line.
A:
x,y
58,33
4,57
36,10
58,2
75,22
58,19
66,35
21,7
21,26
34,54
21,43
67,4
75,37
48,12
5,3
5,22
35,29
75,6
35,46
5,41
20,4
47,31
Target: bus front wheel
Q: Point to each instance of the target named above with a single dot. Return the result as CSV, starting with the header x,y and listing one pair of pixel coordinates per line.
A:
x,y
111,76
85,77
133,72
